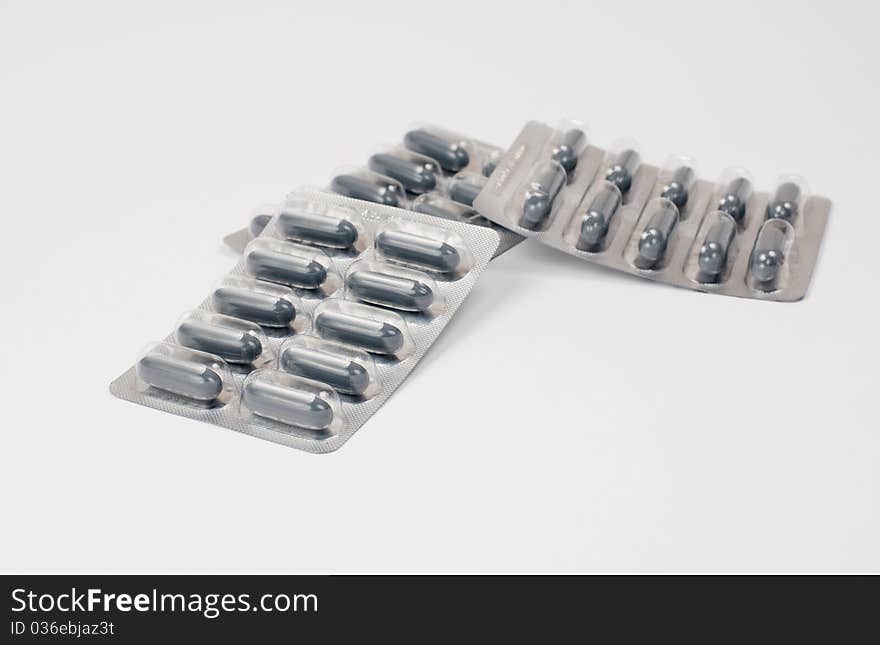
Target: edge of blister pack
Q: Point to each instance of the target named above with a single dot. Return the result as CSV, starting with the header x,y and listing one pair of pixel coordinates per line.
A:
x,y
797,242
420,328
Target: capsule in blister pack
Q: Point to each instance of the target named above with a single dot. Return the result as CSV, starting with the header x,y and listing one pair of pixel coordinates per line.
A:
x,y
714,250
189,377
655,238
449,150
733,194
567,146
277,352
368,186
234,340
271,306
464,187
415,172
295,403
330,226
590,229
621,164
786,198
290,264
539,193
349,371
769,264
444,208
421,246
367,327
665,224
490,163
394,287
260,217
675,182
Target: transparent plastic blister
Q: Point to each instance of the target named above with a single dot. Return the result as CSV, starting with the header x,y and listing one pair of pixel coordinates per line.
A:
x,y
346,369
436,205
338,229
372,329
662,223
431,248
621,165
283,402
300,363
417,173
657,238
275,308
394,287
292,265
238,342
369,186
179,375
464,187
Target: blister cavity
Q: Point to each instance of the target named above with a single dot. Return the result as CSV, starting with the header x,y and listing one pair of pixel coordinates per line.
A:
x,y
295,403
348,370
184,375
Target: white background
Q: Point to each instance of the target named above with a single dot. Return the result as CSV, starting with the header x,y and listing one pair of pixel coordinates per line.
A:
x,y
570,419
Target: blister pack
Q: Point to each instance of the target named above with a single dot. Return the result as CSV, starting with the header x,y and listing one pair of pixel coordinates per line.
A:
x,y
661,223
434,171
331,307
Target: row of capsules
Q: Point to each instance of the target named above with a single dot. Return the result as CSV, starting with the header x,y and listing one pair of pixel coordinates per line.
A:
x,y
434,171
326,311
639,214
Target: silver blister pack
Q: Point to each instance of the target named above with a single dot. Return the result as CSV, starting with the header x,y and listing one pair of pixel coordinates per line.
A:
x,y
331,307
660,223
434,171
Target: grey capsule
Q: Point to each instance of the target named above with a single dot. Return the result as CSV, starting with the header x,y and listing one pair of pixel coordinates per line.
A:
x,y
418,250
258,223
369,189
677,188
445,209
390,290
735,197
713,253
489,165
464,190
449,154
594,225
285,268
339,372
784,204
376,336
287,405
317,228
262,308
230,344
622,169
416,176
655,238
545,185
768,257
178,376
569,147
